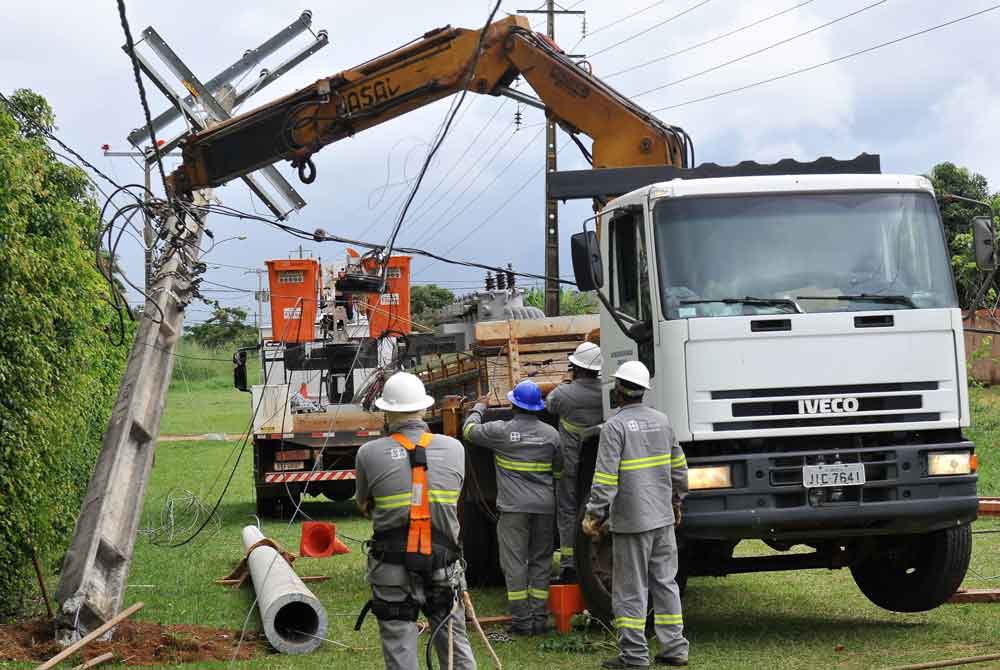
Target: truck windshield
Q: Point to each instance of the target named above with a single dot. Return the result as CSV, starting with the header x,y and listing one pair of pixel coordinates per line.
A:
x,y
823,252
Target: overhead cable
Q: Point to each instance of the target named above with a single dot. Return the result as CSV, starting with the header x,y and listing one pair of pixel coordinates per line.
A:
x,y
762,49
650,28
712,40
810,68
130,49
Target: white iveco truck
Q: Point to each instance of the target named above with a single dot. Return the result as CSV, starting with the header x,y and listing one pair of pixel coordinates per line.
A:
x,y
805,340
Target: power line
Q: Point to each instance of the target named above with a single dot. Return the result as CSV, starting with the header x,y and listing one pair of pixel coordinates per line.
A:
x,y
621,20
829,62
708,41
650,28
763,49
444,133
130,48
22,113
431,235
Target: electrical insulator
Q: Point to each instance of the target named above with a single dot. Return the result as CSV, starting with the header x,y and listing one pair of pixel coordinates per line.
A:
x,y
517,119
501,281
511,277
489,281
583,26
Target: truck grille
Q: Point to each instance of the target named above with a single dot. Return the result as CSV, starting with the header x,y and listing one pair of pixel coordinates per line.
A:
x,y
841,405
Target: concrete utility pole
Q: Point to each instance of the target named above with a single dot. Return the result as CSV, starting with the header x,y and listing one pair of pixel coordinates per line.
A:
x,y
95,569
552,287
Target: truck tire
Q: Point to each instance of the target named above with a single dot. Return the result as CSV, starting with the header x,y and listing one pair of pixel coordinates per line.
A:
x,y
338,491
479,546
916,573
593,569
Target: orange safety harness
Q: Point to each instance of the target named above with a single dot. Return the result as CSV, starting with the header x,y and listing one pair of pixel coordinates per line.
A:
x,y
418,541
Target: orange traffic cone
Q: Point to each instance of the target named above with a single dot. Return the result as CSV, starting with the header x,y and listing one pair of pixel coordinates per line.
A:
x,y
319,540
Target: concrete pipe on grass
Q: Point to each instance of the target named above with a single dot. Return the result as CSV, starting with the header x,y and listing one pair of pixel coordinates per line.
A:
x,y
294,620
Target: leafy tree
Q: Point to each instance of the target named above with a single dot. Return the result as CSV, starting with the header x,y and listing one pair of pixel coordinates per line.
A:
x,y
227,327
59,371
949,178
425,299
571,301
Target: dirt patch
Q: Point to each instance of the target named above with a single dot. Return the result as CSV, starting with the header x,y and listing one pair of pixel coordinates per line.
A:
x,y
134,643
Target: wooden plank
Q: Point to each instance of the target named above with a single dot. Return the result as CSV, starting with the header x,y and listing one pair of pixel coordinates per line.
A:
x,y
557,326
976,596
90,637
989,507
97,660
563,347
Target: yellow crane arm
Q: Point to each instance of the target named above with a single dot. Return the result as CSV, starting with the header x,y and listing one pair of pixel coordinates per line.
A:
x,y
430,68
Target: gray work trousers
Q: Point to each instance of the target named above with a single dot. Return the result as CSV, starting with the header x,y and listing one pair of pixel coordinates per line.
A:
x,y
645,564
567,506
401,650
526,560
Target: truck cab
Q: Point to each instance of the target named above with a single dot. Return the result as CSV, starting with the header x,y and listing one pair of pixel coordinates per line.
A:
x,y
805,340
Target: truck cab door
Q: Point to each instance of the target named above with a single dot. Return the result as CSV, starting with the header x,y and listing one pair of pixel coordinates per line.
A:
x,y
628,295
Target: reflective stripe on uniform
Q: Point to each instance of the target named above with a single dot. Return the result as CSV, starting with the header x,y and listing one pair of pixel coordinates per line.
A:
x,y
566,551
629,622
668,619
605,478
539,594
468,429
517,595
557,474
679,462
393,501
570,427
523,466
647,462
443,496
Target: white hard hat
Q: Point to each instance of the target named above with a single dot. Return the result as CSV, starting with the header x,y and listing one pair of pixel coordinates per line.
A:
x,y
403,392
633,372
587,356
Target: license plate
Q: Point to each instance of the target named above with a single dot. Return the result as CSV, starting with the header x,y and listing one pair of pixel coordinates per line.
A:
x,y
290,465
844,474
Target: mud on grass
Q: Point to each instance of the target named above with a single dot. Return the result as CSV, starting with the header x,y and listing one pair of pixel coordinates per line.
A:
x,y
134,643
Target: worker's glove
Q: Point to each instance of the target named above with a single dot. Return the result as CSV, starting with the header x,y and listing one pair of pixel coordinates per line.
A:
x,y
367,507
677,514
593,527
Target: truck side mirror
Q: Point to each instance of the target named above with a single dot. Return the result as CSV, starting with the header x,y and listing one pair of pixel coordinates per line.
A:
x,y
240,371
984,243
641,331
587,266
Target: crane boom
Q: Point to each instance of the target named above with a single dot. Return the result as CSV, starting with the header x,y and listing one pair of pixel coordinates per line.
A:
x,y
432,67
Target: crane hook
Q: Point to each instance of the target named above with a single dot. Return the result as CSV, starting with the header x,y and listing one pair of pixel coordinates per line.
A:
x,y
307,171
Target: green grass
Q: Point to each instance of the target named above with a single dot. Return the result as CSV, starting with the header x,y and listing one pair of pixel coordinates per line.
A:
x,y
777,620
201,398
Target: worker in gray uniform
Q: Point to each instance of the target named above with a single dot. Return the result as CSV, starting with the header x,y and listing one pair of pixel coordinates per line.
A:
x,y
640,480
409,484
578,406
526,453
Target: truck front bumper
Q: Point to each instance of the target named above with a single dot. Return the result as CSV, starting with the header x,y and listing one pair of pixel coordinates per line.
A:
x,y
769,501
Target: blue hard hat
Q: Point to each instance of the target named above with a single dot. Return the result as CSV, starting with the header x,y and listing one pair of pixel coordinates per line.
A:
x,y
527,395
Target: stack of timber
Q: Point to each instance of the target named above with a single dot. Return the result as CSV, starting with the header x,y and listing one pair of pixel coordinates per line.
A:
x,y
456,374
535,349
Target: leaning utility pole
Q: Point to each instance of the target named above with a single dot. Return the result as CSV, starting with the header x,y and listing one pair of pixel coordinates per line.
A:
x,y
552,287
95,568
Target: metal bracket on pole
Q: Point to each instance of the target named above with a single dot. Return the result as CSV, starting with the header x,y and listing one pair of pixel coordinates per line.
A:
x,y
205,104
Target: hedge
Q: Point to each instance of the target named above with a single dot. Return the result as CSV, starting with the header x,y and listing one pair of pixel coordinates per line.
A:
x,y
59,371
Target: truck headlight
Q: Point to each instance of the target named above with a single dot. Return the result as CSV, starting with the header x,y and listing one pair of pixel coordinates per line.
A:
x,y
949,463
710,477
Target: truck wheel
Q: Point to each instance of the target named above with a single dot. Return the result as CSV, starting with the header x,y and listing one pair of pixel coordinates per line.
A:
x,y
916,573
593,569
338,491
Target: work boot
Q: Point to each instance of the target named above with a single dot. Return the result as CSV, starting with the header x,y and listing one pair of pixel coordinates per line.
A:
x,y
519,631
671,661
567,576
619,664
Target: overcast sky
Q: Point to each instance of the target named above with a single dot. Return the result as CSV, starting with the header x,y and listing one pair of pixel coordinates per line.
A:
x,y
932,98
